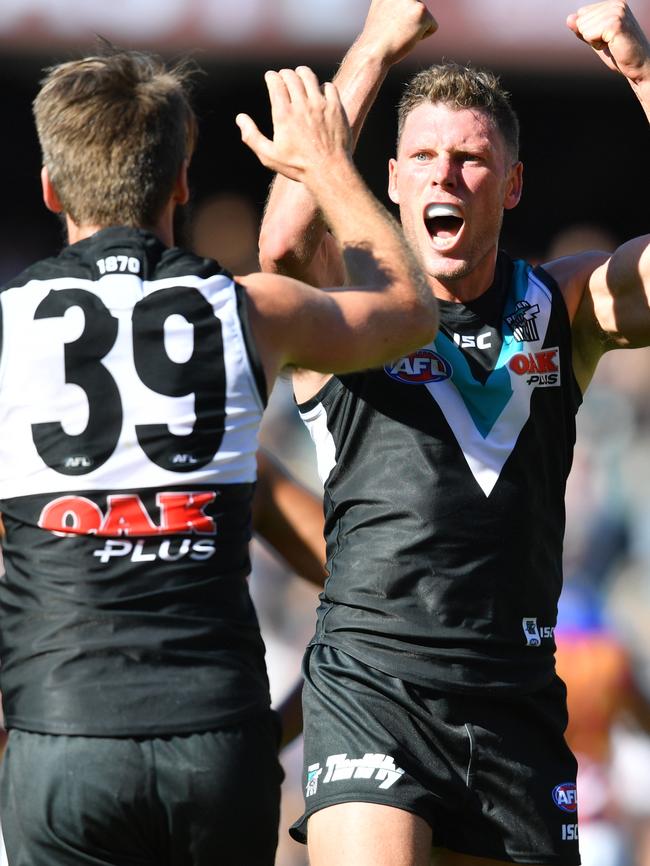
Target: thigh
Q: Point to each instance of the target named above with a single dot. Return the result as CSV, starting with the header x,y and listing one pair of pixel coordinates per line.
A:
x,y
220,792
366,834
74,801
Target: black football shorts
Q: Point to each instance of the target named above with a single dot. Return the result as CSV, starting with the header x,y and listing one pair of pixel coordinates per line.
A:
x,y
490,773
187,800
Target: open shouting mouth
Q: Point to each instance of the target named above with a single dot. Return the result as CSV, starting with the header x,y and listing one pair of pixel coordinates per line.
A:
x,y
444,223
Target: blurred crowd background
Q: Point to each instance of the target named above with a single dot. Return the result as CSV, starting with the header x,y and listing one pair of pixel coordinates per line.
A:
x,y
587,186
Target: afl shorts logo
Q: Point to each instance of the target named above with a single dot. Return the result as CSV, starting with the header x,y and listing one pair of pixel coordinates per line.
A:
x,y
420,368
565,797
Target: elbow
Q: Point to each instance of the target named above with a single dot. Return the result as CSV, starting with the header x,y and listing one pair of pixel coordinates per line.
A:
x,y
275,252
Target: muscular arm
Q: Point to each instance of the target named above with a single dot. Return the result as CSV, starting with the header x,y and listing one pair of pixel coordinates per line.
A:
x,y
615,35
608,297
388,308
294,239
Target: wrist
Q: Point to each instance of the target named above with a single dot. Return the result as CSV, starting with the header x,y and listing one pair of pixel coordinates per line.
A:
x,y
332,174
370,54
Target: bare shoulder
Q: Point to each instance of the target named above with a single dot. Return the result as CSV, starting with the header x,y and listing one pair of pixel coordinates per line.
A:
x,y
268,290
573,275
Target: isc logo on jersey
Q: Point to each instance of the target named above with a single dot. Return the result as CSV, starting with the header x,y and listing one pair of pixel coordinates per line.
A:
x,y
125,514
542,369
420,368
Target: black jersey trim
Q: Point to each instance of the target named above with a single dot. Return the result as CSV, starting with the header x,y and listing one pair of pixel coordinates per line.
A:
x,y
250,344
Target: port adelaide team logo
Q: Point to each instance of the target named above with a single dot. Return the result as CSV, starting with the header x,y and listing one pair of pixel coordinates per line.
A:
x,y
522,322
420,368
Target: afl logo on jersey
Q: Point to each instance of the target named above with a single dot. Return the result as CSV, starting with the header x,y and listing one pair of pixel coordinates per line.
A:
x,y
565,797
420,368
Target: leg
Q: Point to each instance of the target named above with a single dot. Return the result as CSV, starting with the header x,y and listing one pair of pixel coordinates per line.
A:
x,y
367,834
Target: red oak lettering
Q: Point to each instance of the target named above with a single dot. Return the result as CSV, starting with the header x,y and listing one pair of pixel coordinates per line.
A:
x,y
126,514
540,362
546,361
183,512
519,364
71,514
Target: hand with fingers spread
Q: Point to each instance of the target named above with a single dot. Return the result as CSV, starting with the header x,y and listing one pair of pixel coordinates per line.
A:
x,y
394,27
310,130
613,32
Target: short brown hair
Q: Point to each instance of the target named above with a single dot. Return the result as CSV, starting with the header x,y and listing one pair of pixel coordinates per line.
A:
x,y
462,87
114,130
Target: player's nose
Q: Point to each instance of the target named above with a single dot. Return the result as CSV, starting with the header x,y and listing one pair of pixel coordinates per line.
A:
x,y
442,170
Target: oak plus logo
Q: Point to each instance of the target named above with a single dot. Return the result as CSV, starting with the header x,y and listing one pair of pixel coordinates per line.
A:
x,y
420,368
540,369
128,526
372,767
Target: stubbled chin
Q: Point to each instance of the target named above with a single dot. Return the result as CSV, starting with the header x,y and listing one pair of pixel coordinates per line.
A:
x,y
447,267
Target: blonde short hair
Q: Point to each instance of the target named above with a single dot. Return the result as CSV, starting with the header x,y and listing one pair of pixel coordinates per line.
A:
x,y
463,87
114,131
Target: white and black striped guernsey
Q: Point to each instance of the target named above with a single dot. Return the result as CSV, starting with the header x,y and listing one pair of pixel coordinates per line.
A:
x,y
130,399
444,478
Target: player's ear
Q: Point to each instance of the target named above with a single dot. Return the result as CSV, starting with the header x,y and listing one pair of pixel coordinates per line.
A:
x,y
50,195
392,181
182,187
514,186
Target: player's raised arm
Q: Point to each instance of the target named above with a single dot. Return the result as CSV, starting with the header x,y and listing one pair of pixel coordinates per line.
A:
x,y
388,309
613,32
294,238
609,297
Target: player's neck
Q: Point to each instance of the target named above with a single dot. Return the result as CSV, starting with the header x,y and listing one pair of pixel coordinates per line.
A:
x,y
163,230
467,287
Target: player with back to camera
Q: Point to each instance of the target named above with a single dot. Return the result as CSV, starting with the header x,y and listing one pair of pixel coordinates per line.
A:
x,y
133,379
433,715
